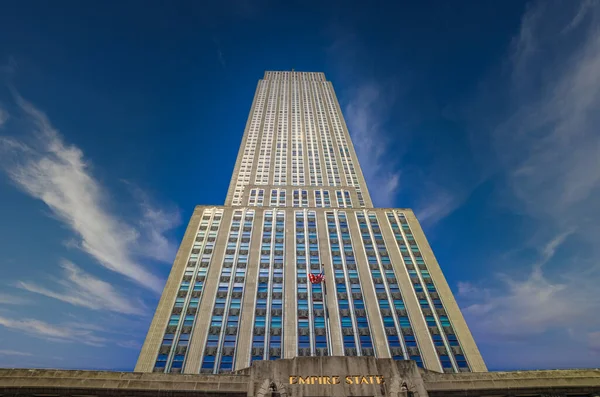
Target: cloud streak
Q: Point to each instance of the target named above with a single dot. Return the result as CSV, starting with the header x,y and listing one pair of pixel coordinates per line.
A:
x,y
59,175
549,149
14,353
517,309
365,112
8,299
52,332
83,289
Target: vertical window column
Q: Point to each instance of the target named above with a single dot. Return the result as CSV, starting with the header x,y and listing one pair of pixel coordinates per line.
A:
x,y
281,152
334,117
333,177
275,334
243,177
303,301
264,156
220,347
300,198
341,266
444,338
297,139
319,331
314,160
343,198
172,353
397,325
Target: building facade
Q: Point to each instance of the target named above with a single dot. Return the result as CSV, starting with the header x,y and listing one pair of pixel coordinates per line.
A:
x,y
239,290
305,377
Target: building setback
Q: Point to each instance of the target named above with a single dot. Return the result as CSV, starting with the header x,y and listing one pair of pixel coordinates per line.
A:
x,y
239,290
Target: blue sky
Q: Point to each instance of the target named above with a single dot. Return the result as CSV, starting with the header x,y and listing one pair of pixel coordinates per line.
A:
x,y
116,118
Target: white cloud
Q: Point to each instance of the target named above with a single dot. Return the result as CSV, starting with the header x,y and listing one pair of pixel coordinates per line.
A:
x,y
549,147
437,206
14,353
551,142
154,223
53,332
532,306
58,174
8,299
83,289
365,112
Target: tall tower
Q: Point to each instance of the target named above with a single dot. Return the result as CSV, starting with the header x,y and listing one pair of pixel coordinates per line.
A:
x,y
297,204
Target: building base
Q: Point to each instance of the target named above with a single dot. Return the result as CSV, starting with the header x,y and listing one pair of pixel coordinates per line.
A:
x,y
304,376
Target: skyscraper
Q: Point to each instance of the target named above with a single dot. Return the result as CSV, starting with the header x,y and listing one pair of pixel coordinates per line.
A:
x,y
240,288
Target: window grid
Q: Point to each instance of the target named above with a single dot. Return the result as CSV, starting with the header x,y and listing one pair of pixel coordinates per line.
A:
x,y
387,290
280,172
297,139
442,333
343,198
312,328
244,172
256,198
277,198
314,160
268,321
263,167
220,348
322,198
300,198
172,352
334,117
342,265
333,177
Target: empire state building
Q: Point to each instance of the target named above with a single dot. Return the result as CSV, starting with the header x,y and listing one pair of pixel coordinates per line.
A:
x,y
247,283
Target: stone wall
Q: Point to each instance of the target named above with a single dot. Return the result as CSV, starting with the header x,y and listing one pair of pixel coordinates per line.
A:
x,y
307,377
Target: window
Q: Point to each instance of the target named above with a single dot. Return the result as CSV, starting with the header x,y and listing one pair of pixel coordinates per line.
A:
x,y
404,321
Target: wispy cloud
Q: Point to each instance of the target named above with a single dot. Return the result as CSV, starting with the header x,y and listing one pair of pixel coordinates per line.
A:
x,y
518,308
14,353
83,289
8,299
366,113
550,142
52,332
549,149
437,204
57,173
367,104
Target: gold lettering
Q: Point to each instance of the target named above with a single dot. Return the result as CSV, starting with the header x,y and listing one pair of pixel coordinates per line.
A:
x,y
336,380
303,381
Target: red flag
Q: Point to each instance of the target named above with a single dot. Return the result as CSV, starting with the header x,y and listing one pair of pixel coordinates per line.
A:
x,y
316,278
